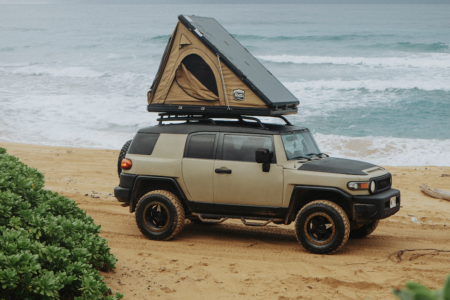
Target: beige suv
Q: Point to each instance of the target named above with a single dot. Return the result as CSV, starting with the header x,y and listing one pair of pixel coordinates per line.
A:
x,y
210,170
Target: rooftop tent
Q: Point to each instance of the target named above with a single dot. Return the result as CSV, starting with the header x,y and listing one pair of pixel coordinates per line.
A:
x,y
205,70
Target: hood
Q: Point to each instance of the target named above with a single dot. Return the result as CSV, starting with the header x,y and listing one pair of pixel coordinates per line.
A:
x,y
337,165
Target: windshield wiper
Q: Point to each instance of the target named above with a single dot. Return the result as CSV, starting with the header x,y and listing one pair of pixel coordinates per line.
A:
x,y
301,157
318,154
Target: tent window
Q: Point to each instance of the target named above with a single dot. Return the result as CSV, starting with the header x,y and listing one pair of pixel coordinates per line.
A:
x,y
200,69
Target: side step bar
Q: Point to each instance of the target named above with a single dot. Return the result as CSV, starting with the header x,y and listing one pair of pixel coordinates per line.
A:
x,y
216,219
212,221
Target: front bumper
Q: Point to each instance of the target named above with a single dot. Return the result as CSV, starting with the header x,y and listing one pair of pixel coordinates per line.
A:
x,y
376,207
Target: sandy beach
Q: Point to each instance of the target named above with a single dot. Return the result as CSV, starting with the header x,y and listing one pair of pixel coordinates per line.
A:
x,y
231,260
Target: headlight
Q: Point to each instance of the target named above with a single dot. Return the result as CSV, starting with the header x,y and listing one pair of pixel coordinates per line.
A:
x,y
354,185
372,187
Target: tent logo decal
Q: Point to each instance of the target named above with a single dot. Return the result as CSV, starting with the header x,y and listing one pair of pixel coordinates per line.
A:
x,y
239,95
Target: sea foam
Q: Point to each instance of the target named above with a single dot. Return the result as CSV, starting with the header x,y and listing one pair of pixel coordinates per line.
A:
x,y
440,61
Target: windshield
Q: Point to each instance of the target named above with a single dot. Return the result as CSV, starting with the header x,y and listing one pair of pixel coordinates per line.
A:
x,y
299,144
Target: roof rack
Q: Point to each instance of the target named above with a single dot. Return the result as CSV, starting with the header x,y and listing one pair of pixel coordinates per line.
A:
x,y
166,117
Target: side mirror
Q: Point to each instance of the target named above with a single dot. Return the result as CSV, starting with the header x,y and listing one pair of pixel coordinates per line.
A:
x,y
264,156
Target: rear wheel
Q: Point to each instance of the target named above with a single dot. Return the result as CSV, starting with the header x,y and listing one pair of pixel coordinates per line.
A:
x,y
322,227
160,215
122,154
364,230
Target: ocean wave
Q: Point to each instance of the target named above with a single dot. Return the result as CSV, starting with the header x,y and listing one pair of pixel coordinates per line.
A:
x,y
21,29
370,85
410,47
6,49
429,61
39,70
280,38
159,38
387,151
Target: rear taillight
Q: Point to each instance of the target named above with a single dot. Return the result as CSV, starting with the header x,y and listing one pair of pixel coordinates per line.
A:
x,y
126,164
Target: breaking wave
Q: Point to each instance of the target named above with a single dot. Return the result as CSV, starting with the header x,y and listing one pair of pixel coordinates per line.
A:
x,y
430,61
371,85
39,70
387,151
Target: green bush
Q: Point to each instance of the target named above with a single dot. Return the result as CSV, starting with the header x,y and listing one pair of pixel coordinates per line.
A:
x,y
49,248
416,291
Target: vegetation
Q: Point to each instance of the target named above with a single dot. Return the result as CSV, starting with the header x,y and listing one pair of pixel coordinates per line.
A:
x,y
416,291
49,248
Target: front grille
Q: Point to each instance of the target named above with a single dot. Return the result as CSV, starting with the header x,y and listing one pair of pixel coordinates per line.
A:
x,y
382,183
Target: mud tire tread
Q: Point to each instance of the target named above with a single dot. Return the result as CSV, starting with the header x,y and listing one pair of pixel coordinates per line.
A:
x,y
364,231
343,215
122,155
179,220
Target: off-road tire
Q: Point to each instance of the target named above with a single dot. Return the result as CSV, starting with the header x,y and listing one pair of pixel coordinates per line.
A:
x,y
364,230
122,154
320,212
172,208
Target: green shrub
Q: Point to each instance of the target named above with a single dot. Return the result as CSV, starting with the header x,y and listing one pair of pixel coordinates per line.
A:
x,y
49,248
416,291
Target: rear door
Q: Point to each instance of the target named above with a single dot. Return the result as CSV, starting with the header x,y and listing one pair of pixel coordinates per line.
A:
x,y
238,179
198,166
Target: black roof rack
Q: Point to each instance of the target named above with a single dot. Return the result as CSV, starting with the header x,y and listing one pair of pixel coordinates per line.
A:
x,y
166,117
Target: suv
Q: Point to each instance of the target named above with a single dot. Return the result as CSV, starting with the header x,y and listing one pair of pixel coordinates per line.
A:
x,y
208,170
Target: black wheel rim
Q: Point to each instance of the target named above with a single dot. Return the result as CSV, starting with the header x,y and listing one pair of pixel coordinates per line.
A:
x,y
156,216
319,228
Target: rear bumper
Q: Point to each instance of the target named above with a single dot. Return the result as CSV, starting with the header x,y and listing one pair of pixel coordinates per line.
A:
x,y
376,207
122,194
123,191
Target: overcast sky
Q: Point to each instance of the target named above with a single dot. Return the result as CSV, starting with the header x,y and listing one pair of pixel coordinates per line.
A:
x,y
226,1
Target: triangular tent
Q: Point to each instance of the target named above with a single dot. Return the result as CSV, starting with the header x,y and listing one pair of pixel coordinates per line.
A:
x,y
205,70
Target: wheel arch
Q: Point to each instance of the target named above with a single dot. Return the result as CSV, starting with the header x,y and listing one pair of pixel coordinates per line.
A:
x,y
302,195
146,184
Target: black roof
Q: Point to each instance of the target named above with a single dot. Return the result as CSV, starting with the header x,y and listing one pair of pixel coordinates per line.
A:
x,y
238,59
222,126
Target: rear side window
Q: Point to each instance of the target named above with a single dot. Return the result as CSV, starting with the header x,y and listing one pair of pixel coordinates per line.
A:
x,y
201,146
243,147
143,143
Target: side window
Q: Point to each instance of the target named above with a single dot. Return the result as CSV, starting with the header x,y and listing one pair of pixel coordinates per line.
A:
x,y
200,146
243,147
143,143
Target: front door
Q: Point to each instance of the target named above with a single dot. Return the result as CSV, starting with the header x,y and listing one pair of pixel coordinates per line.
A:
x,y
238,179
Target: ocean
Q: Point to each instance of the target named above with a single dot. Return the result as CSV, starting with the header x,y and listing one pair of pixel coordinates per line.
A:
x,y
373,80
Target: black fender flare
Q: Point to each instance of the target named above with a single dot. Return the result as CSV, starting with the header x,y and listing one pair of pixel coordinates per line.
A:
x,y
348,198
157,180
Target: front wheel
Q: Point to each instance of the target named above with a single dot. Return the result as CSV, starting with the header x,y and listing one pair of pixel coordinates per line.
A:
x,y
160,215
322,227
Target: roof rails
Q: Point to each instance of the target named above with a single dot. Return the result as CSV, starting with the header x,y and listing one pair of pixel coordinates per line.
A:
x,y
166,117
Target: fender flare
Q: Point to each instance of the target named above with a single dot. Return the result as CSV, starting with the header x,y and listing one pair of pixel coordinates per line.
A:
x,y
145,179
299,188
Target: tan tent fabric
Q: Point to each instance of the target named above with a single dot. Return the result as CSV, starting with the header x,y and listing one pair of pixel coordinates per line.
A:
x,y
161,69
177,96
184,41
167,91
192,86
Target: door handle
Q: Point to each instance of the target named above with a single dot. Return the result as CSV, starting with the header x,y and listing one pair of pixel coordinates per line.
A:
x,y
226,171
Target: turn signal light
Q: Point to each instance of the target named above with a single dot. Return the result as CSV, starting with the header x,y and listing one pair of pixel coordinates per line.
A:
x,y
364,185
126,164
358,185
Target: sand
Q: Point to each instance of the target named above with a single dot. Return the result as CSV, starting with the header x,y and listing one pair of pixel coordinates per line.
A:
x,y
231,260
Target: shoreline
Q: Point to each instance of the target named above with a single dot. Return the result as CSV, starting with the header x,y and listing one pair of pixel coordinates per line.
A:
x,y
232,260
